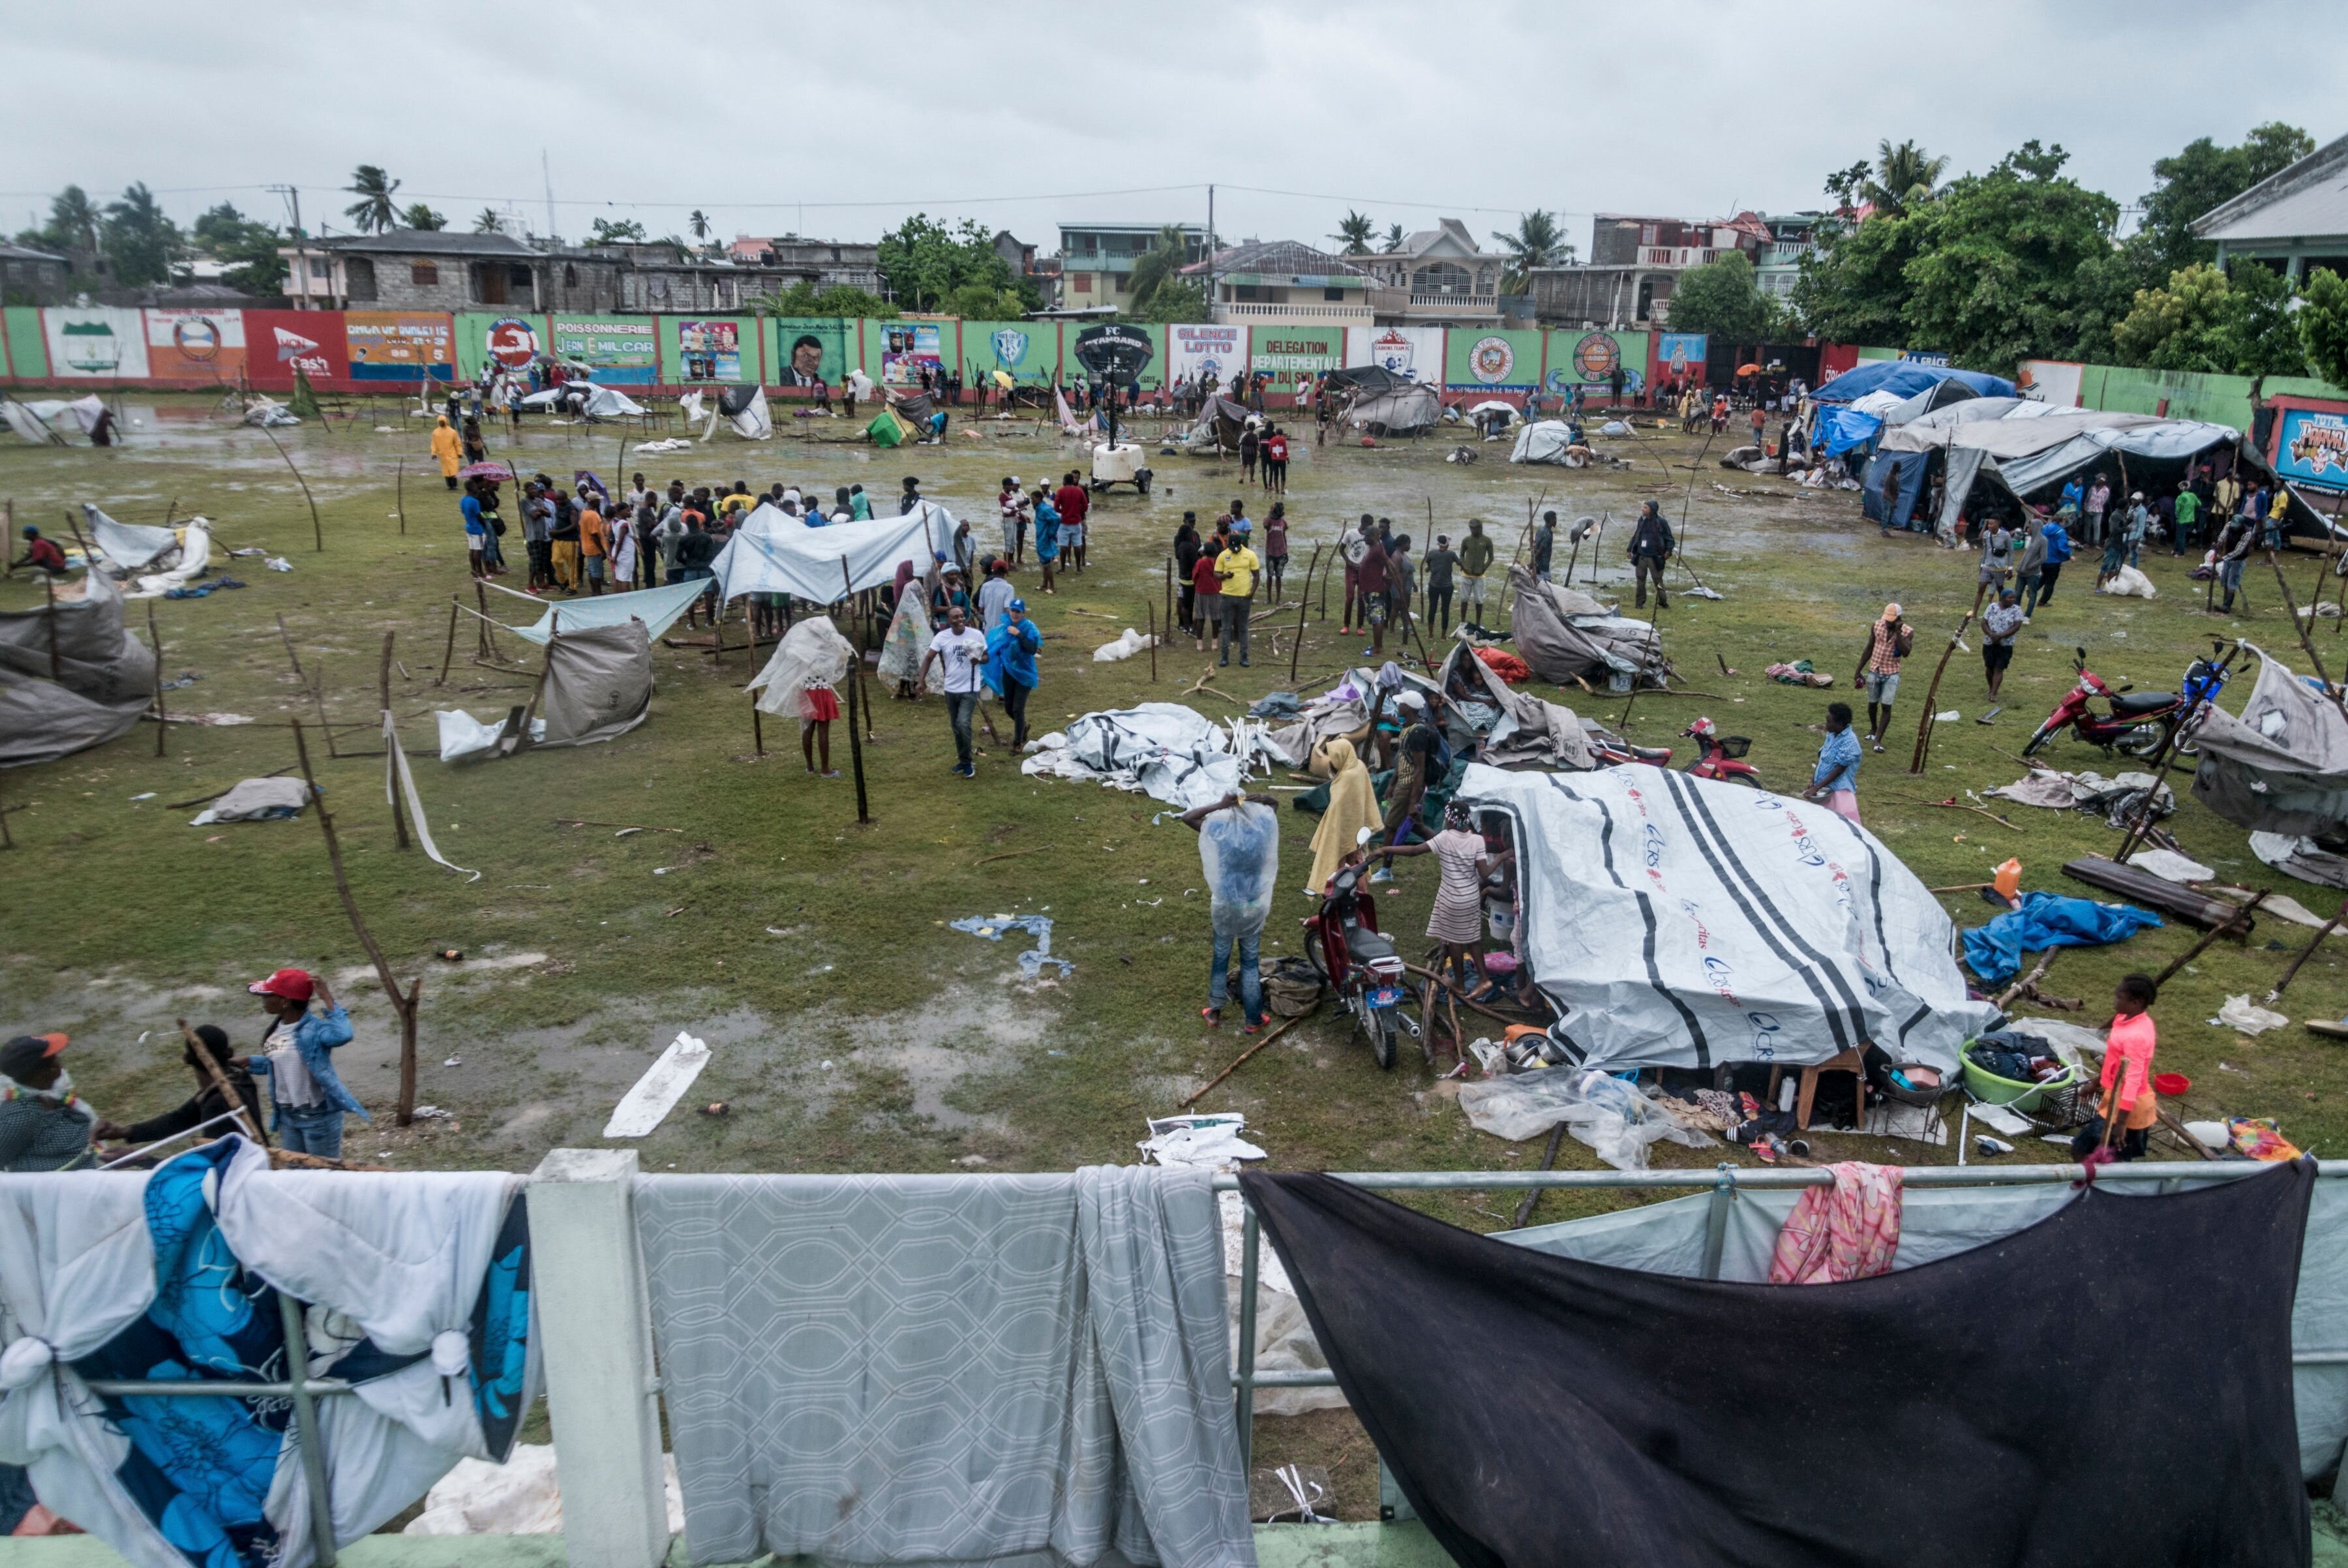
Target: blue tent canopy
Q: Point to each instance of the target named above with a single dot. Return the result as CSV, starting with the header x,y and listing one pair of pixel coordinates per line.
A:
x,y
1840,429
1905,378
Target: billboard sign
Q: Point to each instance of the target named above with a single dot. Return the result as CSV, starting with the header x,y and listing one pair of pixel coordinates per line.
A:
x,y
2312,448
202,345
620,350
399,346
1216,352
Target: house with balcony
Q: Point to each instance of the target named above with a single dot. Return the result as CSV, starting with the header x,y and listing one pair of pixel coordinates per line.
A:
x,y
821,263
1284,280
2295,221
1097,261
1438,277
1634,263
1778,263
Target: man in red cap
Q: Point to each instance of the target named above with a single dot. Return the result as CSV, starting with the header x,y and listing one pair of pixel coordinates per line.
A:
x,y
310,1100
42,1125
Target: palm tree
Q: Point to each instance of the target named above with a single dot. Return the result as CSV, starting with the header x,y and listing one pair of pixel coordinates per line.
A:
x,y
1904,175
418,216
1157,266
1538,242
374,211
1355,232
699,224
73,220
486,221
1392,240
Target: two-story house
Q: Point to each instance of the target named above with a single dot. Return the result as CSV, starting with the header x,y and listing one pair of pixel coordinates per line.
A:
x,y
1097,261
1284,280
1635,262
822,264
1437,277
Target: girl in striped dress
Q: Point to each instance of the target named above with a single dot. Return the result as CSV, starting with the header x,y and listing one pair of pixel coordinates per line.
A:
x,y
1457,918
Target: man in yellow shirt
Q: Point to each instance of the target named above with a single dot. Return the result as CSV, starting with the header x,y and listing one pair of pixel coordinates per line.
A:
x,y
1236,569
740,496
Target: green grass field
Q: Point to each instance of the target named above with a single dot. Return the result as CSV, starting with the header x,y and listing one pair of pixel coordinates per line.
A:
x,y
852,1029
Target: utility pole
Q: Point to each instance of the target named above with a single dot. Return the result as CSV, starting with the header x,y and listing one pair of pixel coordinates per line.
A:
x,y
292,195
546,173
1210,252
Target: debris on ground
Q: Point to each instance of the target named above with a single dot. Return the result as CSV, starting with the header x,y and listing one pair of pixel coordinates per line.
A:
x,y
1207,1142
256,800
2241,1014
1798,673
1039,926
656,1094
1993,951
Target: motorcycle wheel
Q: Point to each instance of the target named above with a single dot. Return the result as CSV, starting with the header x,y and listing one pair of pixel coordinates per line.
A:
x,y
1318,958
1747,780
1382,1037
2045,732
2145,738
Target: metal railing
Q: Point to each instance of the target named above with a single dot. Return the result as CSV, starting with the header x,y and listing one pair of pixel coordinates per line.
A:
x,y
1357,313
1725,1182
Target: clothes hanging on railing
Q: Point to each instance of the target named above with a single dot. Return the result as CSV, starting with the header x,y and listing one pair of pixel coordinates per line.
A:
x,y
907,1369
416,1290
2112,1386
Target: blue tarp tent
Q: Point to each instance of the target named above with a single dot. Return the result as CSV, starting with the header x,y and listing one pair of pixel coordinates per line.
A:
x,y
1905,378
1839,429
1892,486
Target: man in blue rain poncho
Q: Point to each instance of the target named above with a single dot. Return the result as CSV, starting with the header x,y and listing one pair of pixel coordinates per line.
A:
x,y
1010,671
1239,847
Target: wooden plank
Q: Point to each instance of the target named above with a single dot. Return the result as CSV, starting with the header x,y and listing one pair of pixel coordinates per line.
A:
x,y
2154,892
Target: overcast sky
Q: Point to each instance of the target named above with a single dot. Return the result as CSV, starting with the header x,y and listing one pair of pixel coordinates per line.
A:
x,y
839,119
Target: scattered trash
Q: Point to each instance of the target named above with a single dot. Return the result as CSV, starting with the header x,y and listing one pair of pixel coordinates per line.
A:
x,y
642,1109
256,800
1287,1494
454,1062
148,796
452,954
1950,716
1198,1142
278,564
1031,961
2241,1013
715,1107
2170,866
1125,647
2259,1138
2214,1135
1798,673
1986,1145
433,1113
1609,1115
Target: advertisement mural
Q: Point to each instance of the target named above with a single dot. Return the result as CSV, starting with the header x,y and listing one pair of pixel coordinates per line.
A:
x,y
812,351
277,343
1680,354
1589,359
1497,361
1026,351
1415,353
621,350
705,348
1285,351
2312,448
195,345
399,346
99,344
1216,352
28,356
494,339
907,348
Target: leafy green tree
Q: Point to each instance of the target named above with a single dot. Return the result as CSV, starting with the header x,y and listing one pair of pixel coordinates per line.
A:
x,y
1538,242
2322,321
417,215
1904,176
1159,264
247,249
627,232
925,263
2204,175
1722,298
984,302
142,245
1353,233
2204,320
486,221
374,213
804,299
73,225
1179,299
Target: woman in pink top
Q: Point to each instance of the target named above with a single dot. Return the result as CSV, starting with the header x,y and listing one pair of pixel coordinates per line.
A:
x,y
2127,1083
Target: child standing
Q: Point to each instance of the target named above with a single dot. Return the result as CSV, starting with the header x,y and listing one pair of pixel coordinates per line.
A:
x,y
2128,1106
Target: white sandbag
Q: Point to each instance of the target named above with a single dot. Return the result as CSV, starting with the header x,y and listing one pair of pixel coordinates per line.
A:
x,y
2128,583
1125,647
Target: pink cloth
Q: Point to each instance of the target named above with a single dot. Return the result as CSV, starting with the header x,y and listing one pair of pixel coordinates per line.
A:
x,y
1848,1231
1844,803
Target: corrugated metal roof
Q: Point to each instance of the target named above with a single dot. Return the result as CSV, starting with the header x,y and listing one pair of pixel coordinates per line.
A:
x,y
2309,198
1280,258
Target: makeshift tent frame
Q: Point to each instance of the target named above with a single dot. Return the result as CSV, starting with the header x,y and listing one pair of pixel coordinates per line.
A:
x,y
774,553
2283,766
71,675
1406,409
2320,1370
1905,378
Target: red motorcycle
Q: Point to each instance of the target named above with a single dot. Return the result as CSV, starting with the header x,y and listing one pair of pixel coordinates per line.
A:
x,y
2138,724
1612,751
1721,755
1358,962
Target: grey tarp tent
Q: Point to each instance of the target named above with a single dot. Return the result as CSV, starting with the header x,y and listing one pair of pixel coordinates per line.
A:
x,y
131,546
1218,426
1548,441
1566,636
1406,408
104,678
2029,446
1680,921
1528,731
599,683
2283,766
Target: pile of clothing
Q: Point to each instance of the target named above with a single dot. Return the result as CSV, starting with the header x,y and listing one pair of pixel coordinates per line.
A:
x,y
1798,673
1161,750
2116,799
2016,1058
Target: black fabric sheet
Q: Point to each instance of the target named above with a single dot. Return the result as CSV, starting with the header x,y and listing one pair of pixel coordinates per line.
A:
x,y
2109,1386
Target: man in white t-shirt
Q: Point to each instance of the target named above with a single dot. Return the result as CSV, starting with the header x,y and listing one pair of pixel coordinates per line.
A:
x,y
959,651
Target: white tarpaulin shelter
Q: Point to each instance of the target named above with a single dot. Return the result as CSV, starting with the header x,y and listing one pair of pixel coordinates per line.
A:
x,y
657,608
1548,441
46,419
744,410
2030,445
1161,750
775,553
2283,766
1681,922
1404,408
132,546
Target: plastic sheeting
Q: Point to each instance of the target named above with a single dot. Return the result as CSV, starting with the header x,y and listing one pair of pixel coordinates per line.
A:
x,y
774,553
104,680
1547,441
1238,850
812,653
1404,409
132,546
2283,766
1617,1121
658,608
1904,378
599,685
1563,642
1160,749
1679,921
1994,952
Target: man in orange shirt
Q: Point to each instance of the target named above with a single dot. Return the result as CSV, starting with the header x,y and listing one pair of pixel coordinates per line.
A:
x,y
594,540
2127,1094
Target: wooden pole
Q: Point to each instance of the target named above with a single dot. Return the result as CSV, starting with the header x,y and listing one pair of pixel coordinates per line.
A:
x,y
2240,918
1273,1034
404,1006
230,1099
2291,606
448,652
7,840
1151,610
2292,973
399,493
57,666
856,743
162,722
285,637
391,763
1169,595
1932,692
2140,823
1303,601
318,530
9,544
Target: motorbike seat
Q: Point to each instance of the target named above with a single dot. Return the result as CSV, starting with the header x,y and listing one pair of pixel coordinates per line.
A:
x,y
2143,701
1362,945
1656,754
